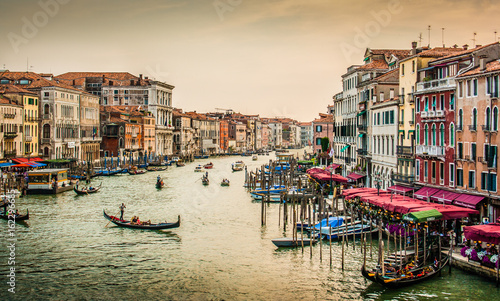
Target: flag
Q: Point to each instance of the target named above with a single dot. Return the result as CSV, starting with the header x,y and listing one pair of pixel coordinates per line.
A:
x,y
331,152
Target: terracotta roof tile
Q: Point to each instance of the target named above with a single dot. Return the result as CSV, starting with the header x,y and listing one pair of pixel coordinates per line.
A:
x,y
375,64
14,89
118,78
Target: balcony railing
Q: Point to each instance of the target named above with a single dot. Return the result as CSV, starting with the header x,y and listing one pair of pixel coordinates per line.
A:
x,y
10,153
28,138
439,113
362,127
430,150
473,128
404,151
45,141
10,135
31,119
362,151
408,179
424,114
436,84
486,127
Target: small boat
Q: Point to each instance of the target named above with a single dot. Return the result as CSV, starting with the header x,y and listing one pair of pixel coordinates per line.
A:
x,y
86,190
198,168
201,157
208,166
238,166
205,181
290,242
17,217
413,276
370,274
346,229
180,163
127,224
224,182
137,172
160,184
334,221
155,168
254,158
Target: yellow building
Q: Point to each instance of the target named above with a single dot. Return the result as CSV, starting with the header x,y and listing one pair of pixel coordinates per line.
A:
x,y
29,146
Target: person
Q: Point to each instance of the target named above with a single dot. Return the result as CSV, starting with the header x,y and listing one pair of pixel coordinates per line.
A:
x,y
436,263
122,210
77,182
158,178
134,220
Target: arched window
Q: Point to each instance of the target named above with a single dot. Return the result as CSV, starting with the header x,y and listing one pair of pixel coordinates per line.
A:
x,y
121,144
46,131
418,134
474,118
434,134
495,119
441,134
488,118
46,152
104,130
122,131
460,119
426,135
452,135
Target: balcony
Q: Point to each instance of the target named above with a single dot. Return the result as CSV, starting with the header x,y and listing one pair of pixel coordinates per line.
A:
x,y
430,150
10,135
404,151
362,151
486,128
362,127
366,77
28,138
45,141
9,116
437,84
440,113
47,117
473,128
431,114
482,160
424,114
459,128
407,179
10,153
410,98
31,119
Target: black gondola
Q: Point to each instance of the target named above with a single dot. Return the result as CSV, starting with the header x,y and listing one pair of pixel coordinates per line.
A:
x,y
18,217
87,190
412,276
205,181
137,172
128,224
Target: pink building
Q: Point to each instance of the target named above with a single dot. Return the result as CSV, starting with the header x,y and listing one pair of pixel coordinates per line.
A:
x,y
322,127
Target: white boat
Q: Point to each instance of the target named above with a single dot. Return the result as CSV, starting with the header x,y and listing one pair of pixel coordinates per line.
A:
x,y
198,168
290,242
356,228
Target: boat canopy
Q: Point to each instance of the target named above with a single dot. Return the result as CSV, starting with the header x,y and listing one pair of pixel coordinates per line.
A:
x,y
423,216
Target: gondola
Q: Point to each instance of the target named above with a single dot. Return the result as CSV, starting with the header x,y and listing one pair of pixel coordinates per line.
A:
x,y
370,275
179,163
208,166
159,184
413,276
137,172
154,168
18,217
127,224
87,190
224,182
205,181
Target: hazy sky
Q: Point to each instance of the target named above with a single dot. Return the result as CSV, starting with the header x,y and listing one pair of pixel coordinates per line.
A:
x,y
273,58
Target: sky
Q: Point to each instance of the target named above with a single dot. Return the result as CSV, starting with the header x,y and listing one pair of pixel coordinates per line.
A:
x,y
276,58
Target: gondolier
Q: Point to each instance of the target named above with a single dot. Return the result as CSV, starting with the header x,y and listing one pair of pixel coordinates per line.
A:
x,y
122,209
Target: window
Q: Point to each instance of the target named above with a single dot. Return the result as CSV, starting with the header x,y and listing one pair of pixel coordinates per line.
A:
x,y
460,89
318,128
468,88
474,87
460,150
460,119
434,134
434,105
426,135
417,101
472,179
318,141
492,182
441,134
452,135
495,119
452,174
425,170
484,180
115,92
460,177
391,118
378,118
433,170
426,104
473,151
417,169
402,116
488,118
418,134
492,156
413,66
403,69
4,81
441,102
452,101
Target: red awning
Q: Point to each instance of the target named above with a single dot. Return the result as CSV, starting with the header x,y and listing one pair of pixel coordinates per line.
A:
x,y
425,192
323,175
468,200
399,188
489,233
354,176
19,160
35,159
444,196
22,165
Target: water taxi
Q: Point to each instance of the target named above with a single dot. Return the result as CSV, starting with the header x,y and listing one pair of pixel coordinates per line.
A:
x,y
48,181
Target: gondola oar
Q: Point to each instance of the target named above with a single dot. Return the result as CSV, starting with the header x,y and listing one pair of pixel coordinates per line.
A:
x,y
110,221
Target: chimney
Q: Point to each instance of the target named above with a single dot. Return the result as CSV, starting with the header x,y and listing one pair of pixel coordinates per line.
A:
x,y
482,63
131,82
413,48
145,77
140,76
465,47
74,82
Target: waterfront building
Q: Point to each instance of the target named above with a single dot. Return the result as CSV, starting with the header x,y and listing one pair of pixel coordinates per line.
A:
x,y
440,158
408,77
184,135
266,134
306,133
123,88
276,132
11,134
477,133
224,135
207,133
323,127
240,134
30,116
90,139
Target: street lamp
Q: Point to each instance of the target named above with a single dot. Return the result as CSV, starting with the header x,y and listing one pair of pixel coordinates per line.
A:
x,y
378,181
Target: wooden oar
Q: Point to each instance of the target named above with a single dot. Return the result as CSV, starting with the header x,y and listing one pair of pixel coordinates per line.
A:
x,y
110,220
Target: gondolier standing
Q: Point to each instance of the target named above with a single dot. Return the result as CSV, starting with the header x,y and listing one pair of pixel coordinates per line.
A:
x,y
122,209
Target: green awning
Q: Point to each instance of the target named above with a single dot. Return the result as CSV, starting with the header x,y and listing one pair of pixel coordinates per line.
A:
x,y
423,216
366,59
344,148
391,64
305,162
361,113
361,135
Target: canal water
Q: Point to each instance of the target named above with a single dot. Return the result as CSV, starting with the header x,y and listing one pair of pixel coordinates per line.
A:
x,y
68,251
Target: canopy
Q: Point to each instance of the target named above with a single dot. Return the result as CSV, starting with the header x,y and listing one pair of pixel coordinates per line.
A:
x,y
448,211
344,148
354,176
305,162
399,188
423,216
443,196
425,192
22,165
468,200
323,175
489,233
7,164
333,166
350,193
